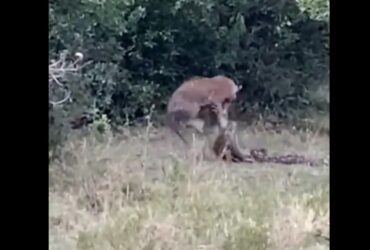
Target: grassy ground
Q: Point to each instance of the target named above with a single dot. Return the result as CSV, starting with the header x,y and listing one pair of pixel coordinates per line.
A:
x,y
145,191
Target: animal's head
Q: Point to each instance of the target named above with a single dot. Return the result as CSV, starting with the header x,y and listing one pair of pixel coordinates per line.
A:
x,y
235,88
227,90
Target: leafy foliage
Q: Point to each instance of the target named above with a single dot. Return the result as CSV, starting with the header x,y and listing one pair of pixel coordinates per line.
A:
x,y
140,51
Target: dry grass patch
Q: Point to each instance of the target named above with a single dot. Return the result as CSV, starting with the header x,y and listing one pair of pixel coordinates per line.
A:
x,y
144,192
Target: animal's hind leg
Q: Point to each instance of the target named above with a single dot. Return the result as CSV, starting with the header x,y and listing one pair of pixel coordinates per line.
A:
x,y
174,120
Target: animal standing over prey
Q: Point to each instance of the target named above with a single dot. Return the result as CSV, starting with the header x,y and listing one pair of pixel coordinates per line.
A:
x,y
206,99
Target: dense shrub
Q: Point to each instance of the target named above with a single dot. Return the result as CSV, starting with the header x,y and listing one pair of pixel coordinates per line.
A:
x,y
140,50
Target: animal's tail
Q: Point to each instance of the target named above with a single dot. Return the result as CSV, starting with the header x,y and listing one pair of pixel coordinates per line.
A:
x,y
173,119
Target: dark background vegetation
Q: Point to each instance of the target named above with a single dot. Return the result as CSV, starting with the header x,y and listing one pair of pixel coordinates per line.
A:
x,y
139,51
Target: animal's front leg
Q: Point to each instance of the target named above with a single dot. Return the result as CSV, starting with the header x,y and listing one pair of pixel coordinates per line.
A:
x,y
221,113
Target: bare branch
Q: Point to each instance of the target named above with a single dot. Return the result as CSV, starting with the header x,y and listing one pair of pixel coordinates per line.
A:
x,y
56,80
58,70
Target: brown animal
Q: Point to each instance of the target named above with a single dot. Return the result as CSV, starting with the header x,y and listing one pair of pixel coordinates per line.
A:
x,y
206,99
226,145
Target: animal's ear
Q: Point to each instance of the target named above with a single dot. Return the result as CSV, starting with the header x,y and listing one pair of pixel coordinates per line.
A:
x,y
238,86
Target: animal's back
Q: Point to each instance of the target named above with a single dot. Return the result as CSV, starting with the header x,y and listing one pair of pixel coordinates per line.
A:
x,y
202,90
189,95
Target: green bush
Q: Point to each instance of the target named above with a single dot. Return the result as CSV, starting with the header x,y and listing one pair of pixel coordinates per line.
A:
x,y
140,51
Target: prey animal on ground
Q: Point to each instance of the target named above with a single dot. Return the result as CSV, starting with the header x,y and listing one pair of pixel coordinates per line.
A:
x,y
226,147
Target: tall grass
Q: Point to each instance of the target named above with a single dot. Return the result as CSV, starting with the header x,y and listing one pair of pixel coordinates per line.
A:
x,y
143,192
